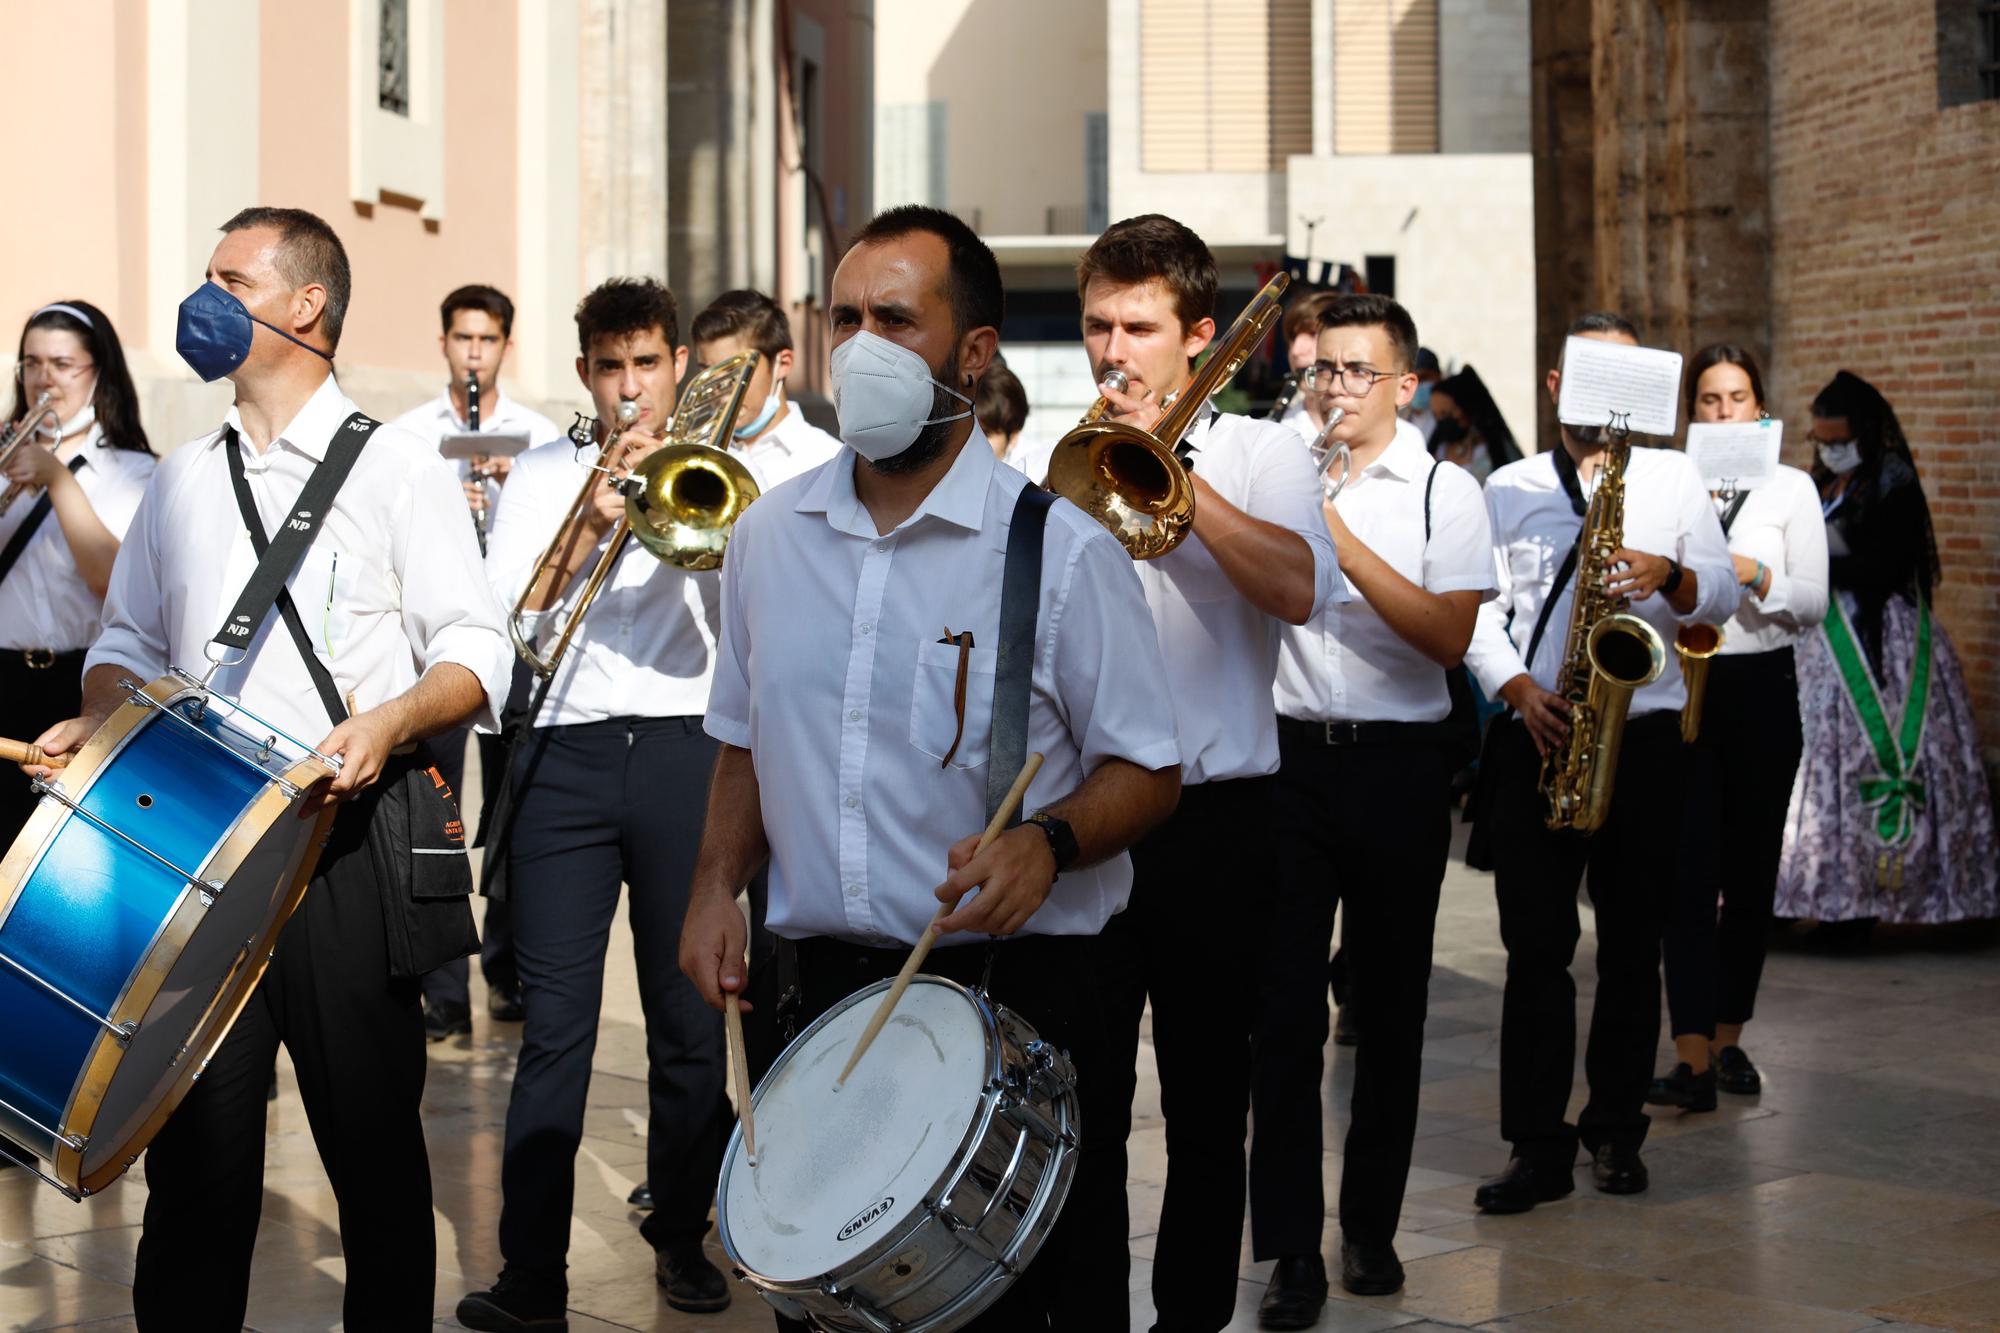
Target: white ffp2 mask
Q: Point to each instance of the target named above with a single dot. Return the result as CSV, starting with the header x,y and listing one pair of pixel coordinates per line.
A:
x,y
882,393
1840,459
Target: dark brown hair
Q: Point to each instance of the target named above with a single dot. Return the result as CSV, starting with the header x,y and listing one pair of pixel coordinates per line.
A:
x,y
116,401
1154,246
978,299
1000,403
478,296
308,252
751,316
627,305
1365,310
1303,315
1718,354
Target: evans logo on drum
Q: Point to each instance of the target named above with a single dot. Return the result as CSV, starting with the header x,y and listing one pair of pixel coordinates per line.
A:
x,y
867,1217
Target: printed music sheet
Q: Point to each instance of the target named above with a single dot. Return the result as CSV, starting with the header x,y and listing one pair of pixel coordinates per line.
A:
x,y
1601,378
485,444
1735,455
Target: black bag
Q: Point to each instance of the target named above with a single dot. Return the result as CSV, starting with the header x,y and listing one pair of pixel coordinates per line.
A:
x,y
416,839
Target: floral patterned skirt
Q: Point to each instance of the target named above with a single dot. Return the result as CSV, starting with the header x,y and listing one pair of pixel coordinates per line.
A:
x,y
1836,866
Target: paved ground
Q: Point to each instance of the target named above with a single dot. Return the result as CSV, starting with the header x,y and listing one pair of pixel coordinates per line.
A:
x,y
1861,1190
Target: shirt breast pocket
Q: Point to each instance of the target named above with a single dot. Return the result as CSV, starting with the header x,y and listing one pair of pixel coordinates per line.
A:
x,y
938,703
324,590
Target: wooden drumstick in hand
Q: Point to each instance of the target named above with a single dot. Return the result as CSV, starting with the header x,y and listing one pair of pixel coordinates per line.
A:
x,y
28,753
739,1057
929,937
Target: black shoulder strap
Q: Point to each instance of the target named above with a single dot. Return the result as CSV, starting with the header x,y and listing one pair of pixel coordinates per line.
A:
x,y
26,532
1735,507
277,559
1014,665
1429,482
1549,606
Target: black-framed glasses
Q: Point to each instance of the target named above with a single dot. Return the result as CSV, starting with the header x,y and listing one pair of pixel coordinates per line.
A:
x,y
1326,377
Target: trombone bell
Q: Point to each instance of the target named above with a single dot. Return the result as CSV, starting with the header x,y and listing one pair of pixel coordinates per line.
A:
x,y
1127,480
688,498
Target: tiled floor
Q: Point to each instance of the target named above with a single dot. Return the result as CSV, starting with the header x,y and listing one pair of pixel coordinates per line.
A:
x,y
1861,1190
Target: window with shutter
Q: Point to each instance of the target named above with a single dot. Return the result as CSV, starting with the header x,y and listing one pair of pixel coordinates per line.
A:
x,y
1385,57
1224,85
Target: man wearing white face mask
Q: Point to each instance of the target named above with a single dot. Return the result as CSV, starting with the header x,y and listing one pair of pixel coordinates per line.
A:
x,y
857,744
772,437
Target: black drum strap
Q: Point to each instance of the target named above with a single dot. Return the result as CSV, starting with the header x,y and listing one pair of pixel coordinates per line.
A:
x,y
1014,665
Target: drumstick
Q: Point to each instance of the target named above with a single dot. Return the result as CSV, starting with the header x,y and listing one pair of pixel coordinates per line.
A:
x,y
27,752
739,1056
929,937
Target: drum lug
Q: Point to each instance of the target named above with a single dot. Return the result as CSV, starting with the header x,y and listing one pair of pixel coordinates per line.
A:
x,y
124,1032
1042,1075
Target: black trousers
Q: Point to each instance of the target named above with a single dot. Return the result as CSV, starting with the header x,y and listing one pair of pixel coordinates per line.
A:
x,y
448,988
32,699
1371,826
1740,787
1631,875
599,804
1047,980
1197,928
356,1039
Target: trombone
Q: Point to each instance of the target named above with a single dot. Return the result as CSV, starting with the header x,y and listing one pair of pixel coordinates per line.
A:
x,y
1133,481
19,434
680,502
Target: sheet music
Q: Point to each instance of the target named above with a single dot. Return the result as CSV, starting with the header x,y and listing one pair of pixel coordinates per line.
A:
x,y
1601,378
485,444
1735,455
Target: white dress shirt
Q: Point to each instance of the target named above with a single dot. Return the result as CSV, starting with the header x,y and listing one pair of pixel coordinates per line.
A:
x,y
647,645
1780,523
1667,512
1222,652
1346,664
1031,458
1298,419
789,448
44,602
832,674
389,588
498,415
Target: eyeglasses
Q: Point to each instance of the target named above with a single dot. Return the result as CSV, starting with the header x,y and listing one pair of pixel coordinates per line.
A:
x,y
1325,377
59,368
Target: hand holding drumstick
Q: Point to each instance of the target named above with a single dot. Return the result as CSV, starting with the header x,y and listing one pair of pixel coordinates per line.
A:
x,y
29,755
931,931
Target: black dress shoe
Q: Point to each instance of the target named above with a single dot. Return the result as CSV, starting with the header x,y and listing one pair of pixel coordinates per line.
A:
x,y
1296,1294
1734,1072
1521,1186
1370,1270
690,1281
641,1196
516,1303
503,1004
1684,1088
1617,1169
441,1023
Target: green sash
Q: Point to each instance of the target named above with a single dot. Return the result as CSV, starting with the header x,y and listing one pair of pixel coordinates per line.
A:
x,y
1894,793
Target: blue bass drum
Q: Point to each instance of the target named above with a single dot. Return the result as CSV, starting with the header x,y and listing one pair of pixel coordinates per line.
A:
x,y
138,909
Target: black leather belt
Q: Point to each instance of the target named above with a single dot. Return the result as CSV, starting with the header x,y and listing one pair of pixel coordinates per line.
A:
x,y
1301,732
43,659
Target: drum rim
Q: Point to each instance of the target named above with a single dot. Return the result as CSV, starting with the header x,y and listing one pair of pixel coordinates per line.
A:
x,y
897,1235
155,964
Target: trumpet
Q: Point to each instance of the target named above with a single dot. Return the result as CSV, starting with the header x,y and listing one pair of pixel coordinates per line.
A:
x,y
1133,481
1326,453
19,434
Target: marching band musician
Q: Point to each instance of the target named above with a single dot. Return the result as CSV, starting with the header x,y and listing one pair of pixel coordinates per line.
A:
x,y
1300,331
1259,557
772,436
1675,568
860,773
409,632
608,790
478,332
80,473
1362,813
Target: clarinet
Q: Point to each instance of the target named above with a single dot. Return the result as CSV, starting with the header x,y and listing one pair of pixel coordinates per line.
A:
x,y
479,462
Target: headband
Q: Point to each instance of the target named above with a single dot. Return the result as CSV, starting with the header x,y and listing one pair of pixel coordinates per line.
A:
x,y
64,308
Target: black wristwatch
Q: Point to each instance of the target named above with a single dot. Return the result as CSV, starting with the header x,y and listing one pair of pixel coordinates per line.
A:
x,y
1673,577
1062,838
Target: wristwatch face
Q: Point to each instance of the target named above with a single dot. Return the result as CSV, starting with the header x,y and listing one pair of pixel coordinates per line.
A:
x,y
1062,839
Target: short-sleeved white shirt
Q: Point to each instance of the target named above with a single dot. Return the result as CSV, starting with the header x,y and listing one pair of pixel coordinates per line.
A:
x,y
44,602
832,673
1347,664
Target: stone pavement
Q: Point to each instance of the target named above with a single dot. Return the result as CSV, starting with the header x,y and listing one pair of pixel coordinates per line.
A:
x,y
1861,1190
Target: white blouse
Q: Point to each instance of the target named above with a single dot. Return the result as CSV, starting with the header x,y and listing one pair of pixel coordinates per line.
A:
x,y
1780,523
44,602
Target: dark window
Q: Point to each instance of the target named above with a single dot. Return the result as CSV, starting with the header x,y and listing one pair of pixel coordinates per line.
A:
x,y
1968,51
393,58
1380,272
1989,49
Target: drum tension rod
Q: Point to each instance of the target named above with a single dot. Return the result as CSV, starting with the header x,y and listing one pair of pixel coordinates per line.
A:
x,y
120,1032
209,890
74,1142
140,696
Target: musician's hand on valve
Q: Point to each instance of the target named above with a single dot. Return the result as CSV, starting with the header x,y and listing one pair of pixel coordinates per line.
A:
x,y
475,494
1545,715
362,743
1134,409
63,738
33,465
1017,870
1635,574
712,946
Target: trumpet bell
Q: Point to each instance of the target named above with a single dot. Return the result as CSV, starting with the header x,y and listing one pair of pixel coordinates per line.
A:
x,y
1125,479
685,500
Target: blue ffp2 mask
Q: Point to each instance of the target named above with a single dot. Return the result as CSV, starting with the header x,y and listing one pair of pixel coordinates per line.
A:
x,y
214,333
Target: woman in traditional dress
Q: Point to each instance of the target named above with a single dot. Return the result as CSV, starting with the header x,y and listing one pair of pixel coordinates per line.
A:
x,y
1890,819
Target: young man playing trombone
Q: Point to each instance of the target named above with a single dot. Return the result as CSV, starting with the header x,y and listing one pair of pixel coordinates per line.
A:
x,y
608,790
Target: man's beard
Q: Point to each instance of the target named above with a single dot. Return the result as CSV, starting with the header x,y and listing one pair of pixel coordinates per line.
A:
x,y
931,440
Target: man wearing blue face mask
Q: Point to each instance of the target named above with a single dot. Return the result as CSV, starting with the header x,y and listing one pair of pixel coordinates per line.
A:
x,y
859,750
1418,411
771,436
406,635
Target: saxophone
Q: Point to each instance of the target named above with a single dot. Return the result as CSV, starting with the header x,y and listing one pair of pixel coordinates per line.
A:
x,y
1608,654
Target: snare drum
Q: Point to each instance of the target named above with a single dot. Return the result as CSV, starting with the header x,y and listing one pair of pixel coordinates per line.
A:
x,y
912,1197
138,908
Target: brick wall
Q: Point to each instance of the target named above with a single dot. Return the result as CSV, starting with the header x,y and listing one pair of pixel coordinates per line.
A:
x,y
1885,260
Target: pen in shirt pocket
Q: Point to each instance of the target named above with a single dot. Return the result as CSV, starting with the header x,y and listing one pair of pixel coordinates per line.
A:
x,y
326,613
964,643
